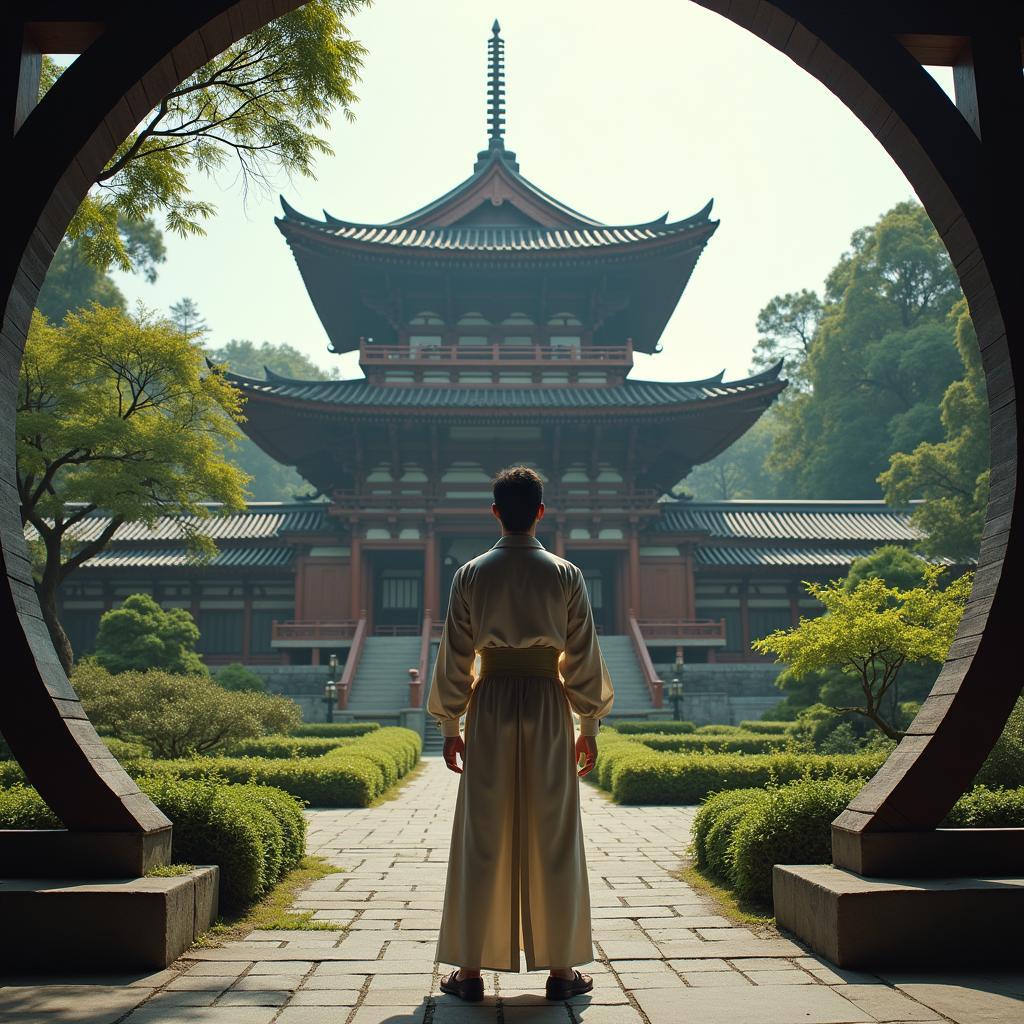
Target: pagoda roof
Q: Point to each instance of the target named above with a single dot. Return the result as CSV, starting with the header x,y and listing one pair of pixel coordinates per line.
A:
x,y
862,521
407,235
359,394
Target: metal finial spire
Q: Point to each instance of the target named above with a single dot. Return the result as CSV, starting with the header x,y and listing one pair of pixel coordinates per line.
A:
x,y
496,105
496,87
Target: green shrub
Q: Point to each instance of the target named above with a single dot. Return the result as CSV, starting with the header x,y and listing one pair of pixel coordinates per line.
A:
x,y
237,677
787,825
140,635
11,774
255,834
325,729
124,750
178,715
285,746
988,808
717,730
708,815
628,728
1005,765
766,727
713,743
643,776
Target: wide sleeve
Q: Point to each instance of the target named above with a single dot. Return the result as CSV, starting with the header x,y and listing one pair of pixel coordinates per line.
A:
x,y
451,683
588,686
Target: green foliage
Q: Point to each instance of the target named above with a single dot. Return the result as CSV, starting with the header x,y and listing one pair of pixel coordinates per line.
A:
x,y
740,471
259,106
891,563
73,283
880,358
717,729
988,808
766,726
649,725
869,633
141,635
952,473
335,728
119,413
1004,766
178,715
287,746
786,327
710,812
237,677
125,750
253,833
271,480
738,742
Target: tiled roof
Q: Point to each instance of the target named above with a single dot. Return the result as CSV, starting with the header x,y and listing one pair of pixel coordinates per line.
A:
x,y
865,521
735,555
177,558
498,238
636,394
260,521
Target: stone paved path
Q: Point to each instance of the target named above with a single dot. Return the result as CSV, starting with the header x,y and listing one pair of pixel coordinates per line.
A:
x,y
663,956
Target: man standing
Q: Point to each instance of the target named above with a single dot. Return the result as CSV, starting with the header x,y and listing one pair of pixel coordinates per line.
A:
x,y
517,871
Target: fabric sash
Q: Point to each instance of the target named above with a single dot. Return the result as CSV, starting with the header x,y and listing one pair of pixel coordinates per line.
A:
x,y
519,661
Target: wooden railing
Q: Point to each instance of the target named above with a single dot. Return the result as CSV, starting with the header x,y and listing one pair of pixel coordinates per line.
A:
x,y
397,629
683,629
654,684
595,497
417,686
348,676
496,352
313,630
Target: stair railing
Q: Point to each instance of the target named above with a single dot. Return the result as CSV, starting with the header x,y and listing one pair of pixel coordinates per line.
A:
x,y
643,656
355,652
417,685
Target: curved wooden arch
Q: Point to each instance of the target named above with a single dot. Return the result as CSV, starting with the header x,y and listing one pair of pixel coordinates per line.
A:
x,y
959,170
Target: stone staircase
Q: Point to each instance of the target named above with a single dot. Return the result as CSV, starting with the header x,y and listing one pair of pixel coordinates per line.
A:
x,y
632,699
381,687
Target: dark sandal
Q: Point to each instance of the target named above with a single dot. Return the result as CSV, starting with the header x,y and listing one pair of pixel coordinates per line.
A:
x,y
566,988
469,989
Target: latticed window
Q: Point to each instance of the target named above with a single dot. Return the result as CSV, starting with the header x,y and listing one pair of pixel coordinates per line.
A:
x,y
220,631
399,591
595,588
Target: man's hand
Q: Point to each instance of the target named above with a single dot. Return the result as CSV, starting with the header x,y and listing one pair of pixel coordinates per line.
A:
x,y
454,745
586,747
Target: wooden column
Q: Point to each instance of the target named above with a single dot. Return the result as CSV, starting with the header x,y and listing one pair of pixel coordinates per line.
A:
x,y
356,598
634,569
560,537
246,621
432,575
689,584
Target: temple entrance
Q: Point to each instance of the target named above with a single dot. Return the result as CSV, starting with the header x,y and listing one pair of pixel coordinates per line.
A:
x,y
601,572
396,580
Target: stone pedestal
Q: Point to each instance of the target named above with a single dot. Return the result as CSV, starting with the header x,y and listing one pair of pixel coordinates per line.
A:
x,y
860,922
111,925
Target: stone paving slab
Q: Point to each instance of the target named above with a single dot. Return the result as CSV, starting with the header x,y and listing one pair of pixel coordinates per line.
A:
x,y
663,953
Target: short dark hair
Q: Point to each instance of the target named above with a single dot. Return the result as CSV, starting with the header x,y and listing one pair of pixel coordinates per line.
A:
x,y
518,493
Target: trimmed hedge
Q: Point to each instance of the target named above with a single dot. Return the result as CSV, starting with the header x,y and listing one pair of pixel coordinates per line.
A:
x,y
729,743
767,727
739,835
255,834
629,728
337,729
718,730
286,746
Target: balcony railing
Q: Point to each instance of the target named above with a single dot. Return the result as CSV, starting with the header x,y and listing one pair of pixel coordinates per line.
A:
x,y
456,496
496,352
312,632
704,632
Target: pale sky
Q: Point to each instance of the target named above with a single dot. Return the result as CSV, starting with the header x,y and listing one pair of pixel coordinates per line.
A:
x,y
659,107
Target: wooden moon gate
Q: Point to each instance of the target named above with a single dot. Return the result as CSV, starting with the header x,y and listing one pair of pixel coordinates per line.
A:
x,y
867,55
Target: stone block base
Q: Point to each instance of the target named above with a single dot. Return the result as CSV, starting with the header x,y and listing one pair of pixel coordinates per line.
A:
x,y
118,925
860,922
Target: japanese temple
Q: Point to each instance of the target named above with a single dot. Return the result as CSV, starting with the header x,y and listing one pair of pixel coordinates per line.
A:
x,y
495,325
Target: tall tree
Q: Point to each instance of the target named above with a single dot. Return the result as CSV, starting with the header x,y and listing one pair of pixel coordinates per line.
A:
x,y
878,364
270,480
187,318
786,328
951,475
72,282
261,104
739,472
117,413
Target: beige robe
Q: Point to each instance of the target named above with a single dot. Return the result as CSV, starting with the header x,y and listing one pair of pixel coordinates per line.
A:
x,y
517,872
